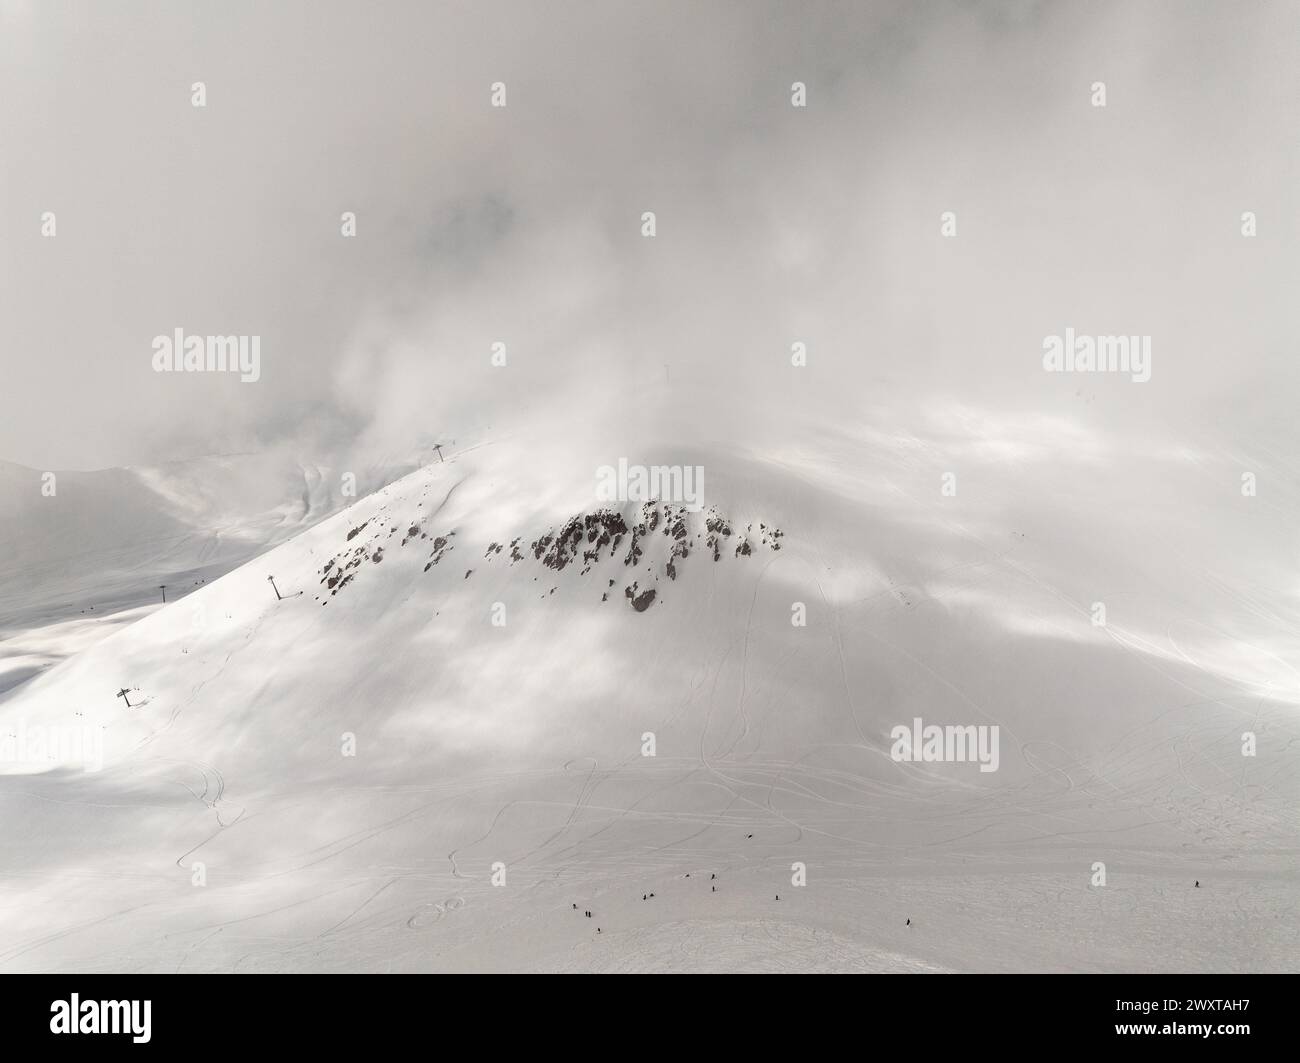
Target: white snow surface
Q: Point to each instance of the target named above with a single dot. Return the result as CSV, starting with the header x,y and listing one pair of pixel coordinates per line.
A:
x,y
73,543
520,745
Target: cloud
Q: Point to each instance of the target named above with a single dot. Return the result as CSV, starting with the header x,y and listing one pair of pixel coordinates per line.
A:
x,y
522,225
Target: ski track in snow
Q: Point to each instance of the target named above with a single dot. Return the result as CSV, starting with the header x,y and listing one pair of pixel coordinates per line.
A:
x,y
338,866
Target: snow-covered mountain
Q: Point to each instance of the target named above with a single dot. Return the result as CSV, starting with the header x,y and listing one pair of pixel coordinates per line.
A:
x,y
83,553
426,745
74,541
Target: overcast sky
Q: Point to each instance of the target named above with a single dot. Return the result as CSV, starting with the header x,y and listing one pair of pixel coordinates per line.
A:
x,y
775,224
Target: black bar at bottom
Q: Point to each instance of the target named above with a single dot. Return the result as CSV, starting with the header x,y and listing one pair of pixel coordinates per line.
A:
x,y
339,1013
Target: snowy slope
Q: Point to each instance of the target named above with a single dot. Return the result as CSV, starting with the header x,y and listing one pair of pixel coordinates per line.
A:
x,y
106,539
520,744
